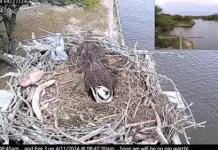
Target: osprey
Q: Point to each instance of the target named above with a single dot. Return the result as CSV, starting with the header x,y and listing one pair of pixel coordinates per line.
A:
x,y
96,78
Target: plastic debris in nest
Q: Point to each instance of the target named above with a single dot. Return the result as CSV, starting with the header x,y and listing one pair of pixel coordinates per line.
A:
x,y
57,42
6,98
54,42
32,78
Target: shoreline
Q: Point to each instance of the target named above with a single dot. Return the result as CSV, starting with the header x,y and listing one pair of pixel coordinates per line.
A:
x,y
206,20
185,24
189,44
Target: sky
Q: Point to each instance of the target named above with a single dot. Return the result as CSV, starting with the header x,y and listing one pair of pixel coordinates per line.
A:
x,y
188,7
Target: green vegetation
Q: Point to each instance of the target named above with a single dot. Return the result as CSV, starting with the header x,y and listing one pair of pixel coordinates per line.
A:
x,y
86,4
186,21
213,17
164,24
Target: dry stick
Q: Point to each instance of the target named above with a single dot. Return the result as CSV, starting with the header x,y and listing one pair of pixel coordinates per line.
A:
x,y
114,135
24,138
27,140
47,31
28,105
92,134
35,100
67,81
180,95
186,137
141,100
14,74
158,129
164,77
106,117
149,128
127,107
47,101
186,108
125,113
196,125
25,101
16,108
66,135
15,96
139,123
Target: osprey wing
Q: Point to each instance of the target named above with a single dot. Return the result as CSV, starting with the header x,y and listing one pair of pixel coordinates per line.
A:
x,y
99,76
95,72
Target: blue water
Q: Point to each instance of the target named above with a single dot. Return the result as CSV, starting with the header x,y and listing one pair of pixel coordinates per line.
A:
x,y
207,29
137,20
194,72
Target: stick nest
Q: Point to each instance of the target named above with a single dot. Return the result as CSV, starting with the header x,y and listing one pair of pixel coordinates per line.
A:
x,y
139,113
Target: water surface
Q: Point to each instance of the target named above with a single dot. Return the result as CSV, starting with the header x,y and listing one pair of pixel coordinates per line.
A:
x,y
137,19
195,74
206,29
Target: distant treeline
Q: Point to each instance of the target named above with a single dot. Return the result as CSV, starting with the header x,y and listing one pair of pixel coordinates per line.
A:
x,y
209,17
180,18
165,23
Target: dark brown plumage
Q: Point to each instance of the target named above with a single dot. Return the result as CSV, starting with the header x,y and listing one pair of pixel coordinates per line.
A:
x,y
95,73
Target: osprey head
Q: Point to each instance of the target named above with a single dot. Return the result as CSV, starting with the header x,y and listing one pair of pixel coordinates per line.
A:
x,y
102,94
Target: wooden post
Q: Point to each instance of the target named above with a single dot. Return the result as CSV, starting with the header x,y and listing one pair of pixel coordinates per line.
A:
x,y
110,24
180,37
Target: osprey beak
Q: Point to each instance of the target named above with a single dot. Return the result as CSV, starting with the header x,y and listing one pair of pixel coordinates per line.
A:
x,y
109,99
105,101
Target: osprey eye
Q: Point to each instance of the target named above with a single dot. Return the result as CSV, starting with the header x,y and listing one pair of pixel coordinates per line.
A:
x,y
106,92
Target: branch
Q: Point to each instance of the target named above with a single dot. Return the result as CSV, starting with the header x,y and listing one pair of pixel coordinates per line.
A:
x,y
158,129
35,100
93,133
66,135
139,123
14,74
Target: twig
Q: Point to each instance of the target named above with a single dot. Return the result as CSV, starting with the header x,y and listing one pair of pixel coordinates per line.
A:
x,y
125,113
35,100
186,137
106,117
67,81
47,31
114,135
93,133
66,135
16,108
14,74
139,123
158,129
196,125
